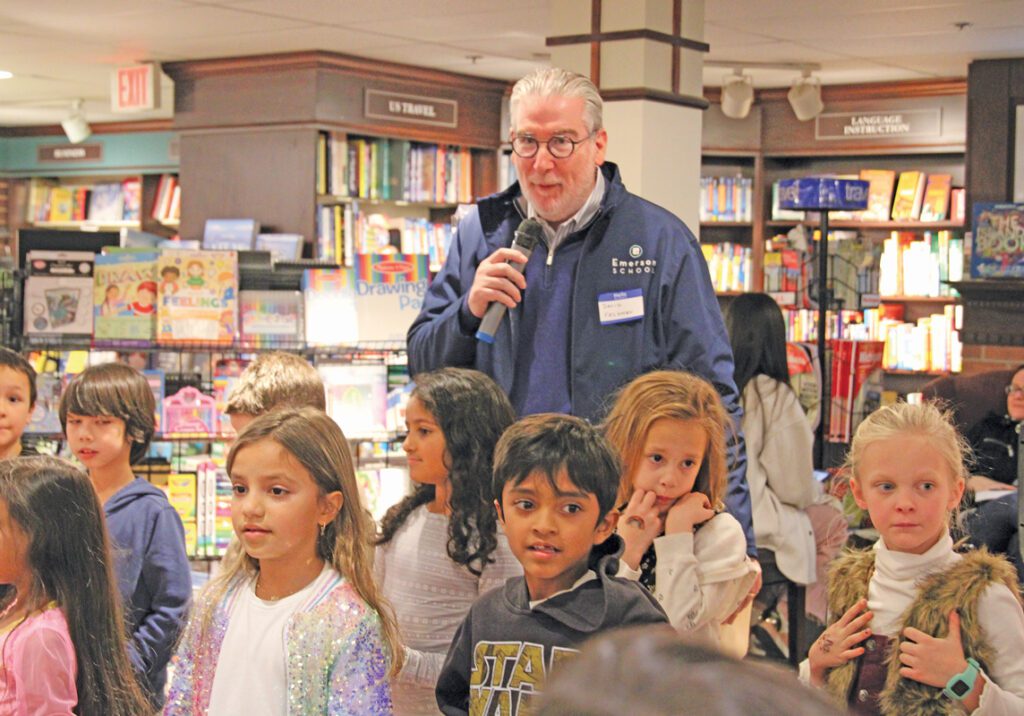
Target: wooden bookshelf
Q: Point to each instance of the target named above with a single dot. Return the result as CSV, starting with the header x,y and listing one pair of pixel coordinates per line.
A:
x,y
250,128
871,225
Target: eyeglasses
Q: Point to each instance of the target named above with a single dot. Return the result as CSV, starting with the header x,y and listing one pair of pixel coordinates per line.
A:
x,y
1017,390
559,146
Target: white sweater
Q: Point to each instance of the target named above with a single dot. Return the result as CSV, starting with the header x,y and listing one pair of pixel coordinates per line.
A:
x,y
431,595
893,588
780,473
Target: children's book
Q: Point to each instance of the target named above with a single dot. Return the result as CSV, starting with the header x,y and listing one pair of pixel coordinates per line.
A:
x,y
330,300
58,292
271,318
997,241
230,234
282,247
106,203
389,294
124,296
935,206
182,494
880,188
906,206
198,296
157,383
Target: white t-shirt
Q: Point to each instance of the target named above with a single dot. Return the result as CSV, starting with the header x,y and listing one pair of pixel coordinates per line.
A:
x,y
251,672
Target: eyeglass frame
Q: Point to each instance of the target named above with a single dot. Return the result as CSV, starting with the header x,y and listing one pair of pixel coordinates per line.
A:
x,y
547,144
1011,389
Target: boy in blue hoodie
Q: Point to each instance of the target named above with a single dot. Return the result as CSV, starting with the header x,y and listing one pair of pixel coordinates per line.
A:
x,y
107,413
555,482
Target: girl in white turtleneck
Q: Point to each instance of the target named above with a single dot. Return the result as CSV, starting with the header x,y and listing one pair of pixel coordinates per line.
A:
x,y
922,627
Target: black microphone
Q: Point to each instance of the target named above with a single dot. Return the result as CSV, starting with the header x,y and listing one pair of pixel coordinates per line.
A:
x,y
527,236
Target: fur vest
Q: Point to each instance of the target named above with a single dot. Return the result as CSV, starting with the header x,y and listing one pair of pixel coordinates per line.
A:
x,y
958,587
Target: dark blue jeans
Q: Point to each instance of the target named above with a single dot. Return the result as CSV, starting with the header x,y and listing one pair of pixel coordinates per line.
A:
x,y
993,524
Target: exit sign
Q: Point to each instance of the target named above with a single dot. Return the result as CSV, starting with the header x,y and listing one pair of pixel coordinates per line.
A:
x,y
135,88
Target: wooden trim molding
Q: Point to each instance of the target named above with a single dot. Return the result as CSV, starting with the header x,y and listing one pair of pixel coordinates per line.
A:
x,y
677,31
595,47
146,125
618,35
192,69
632,93
876,90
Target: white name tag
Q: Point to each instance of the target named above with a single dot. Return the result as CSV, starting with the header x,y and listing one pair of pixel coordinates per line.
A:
x,y
620,306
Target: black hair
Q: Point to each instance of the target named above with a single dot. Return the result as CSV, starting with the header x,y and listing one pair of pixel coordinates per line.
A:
x,y
472,412
15,361
118,391
550,443
757,333
56,506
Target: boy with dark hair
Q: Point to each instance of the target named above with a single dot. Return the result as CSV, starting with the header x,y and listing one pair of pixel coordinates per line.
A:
x,y
17,400
555,482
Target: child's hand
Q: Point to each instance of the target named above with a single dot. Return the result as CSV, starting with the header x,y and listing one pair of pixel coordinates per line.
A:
x,y
691,510
930,660
639,524
838,643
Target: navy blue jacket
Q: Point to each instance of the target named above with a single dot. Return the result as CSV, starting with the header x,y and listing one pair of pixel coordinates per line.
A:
x,y
631,244
153,576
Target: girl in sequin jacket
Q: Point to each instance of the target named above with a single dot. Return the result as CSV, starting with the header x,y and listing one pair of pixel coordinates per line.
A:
x,y
295,622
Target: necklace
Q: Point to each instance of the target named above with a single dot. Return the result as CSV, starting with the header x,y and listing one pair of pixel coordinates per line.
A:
x,y
266,599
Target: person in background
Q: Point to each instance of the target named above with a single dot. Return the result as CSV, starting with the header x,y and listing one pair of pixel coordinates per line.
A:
x,y
918,628
107,413
669,429
17,401
272,381
793,517
555,481
653,672
994,524
617,287
62,644
440,548
294,623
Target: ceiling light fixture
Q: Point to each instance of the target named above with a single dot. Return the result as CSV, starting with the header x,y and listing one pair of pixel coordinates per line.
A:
x,y
805,97
737,94
75,126
5,75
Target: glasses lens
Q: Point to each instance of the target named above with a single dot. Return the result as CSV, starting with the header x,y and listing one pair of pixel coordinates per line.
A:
x,y
524,146
560,147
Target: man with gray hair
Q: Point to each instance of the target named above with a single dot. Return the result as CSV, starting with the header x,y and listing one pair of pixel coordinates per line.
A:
x,y
618,286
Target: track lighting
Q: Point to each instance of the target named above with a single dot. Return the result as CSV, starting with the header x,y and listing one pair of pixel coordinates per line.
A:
x,y
75,126
737,94
805,97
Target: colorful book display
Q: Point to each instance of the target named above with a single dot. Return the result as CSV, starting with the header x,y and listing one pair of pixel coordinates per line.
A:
x,y
998,241
880,188
198,297
356,397
856,385
124,296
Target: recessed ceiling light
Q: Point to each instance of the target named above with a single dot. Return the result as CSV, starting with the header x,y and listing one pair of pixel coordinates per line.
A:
x,y
5,75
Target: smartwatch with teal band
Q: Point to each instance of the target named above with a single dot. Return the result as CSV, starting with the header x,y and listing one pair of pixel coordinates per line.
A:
x,y
962,684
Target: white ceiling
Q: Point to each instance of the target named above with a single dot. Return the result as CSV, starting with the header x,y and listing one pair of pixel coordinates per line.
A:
x,y
60,50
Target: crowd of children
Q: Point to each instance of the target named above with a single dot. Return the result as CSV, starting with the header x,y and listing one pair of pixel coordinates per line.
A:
x,y
521,541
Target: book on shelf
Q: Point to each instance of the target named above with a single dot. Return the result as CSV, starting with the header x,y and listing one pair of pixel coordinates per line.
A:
x,y
389,294
230,234
106,203
182,493
330,302
197,296
856,386
356,397
46,415
727,198
131,189
935,205
271,318
729,266
167,201
958,204
997,247
124,296
58,293
880,188
805,378
282,247
906,205
920,264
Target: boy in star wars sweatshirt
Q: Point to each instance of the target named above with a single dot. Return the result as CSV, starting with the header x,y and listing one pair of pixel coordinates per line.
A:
x,y
555,482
